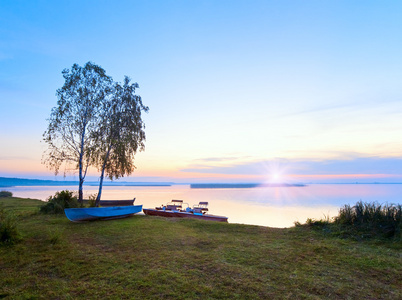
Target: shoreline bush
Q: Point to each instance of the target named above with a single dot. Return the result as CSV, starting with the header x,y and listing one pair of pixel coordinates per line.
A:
x,y
57,203
5,194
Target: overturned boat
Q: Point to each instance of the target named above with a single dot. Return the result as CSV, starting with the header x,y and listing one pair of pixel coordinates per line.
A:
x,y
174,209
125,209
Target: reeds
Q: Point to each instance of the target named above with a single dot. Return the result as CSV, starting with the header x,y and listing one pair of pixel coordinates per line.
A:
x,y
363,220
372,218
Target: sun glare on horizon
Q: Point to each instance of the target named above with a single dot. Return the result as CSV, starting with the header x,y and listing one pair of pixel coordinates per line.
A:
x,y
275,177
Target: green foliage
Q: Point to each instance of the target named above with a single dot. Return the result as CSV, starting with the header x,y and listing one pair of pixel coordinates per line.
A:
x,y
92,200
5,194
97,122
372,219
57,203
363,221
317,223
121,130
120,133
74,119
9,233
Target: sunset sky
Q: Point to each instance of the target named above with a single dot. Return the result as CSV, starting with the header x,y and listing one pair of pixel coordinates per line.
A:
x,y
238,91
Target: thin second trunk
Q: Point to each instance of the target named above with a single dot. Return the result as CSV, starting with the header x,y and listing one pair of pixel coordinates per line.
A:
x,y
98,197
80,185
97,202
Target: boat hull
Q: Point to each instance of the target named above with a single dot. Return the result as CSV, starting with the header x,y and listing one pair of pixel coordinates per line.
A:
x,y
114,202
179,214
98,213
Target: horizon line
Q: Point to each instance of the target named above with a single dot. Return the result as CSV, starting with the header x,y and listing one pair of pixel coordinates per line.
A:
x,y
45,182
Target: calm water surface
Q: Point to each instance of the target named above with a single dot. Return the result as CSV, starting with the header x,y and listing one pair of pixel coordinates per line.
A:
x,y
266,206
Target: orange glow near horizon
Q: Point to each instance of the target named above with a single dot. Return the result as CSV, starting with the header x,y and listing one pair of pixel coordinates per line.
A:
x,y
338,176
23,166
32,168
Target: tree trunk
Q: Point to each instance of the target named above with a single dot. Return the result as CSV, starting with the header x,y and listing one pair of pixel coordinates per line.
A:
x,y
80,192
80,182
98,197
81,177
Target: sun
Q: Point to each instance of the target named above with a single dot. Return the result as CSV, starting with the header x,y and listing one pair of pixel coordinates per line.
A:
x,y
275,177
276,171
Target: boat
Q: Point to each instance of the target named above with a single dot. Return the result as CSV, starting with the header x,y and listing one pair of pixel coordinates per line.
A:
x,y
174,209
101,213
114,202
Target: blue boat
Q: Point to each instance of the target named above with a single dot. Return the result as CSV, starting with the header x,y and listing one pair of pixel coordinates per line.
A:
x,y
101,213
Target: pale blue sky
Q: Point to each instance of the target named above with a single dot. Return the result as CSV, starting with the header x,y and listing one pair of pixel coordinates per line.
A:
x,y
233,87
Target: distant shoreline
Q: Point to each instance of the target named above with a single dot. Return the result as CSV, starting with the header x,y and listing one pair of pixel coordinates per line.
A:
x,y
6,182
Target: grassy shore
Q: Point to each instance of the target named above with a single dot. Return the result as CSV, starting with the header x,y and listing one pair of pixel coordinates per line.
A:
x,y
149,257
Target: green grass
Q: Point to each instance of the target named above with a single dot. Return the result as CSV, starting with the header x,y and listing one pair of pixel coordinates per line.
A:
x,y
8,227
146,257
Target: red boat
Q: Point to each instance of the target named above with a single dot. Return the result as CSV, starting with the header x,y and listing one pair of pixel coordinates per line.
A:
x,y
174,209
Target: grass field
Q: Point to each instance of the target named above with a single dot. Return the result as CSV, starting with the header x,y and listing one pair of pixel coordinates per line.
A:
x,y
149,257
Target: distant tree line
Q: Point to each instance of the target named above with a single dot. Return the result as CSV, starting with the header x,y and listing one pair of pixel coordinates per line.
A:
x,y
97,122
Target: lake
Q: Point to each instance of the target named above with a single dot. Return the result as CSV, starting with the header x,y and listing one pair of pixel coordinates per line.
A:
x,y
265,206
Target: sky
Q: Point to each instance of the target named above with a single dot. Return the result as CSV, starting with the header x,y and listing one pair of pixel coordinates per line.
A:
x,y
238,91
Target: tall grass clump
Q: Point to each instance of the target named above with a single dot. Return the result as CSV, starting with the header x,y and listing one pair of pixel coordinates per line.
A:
x,y
316,224
372,219
57,203
4,194
9,233
92,200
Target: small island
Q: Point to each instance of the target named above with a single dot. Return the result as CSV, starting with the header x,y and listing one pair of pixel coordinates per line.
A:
x,y
240,185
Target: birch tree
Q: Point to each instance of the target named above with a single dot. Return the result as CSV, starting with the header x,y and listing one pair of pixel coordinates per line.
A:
x,y
120,133
74,120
